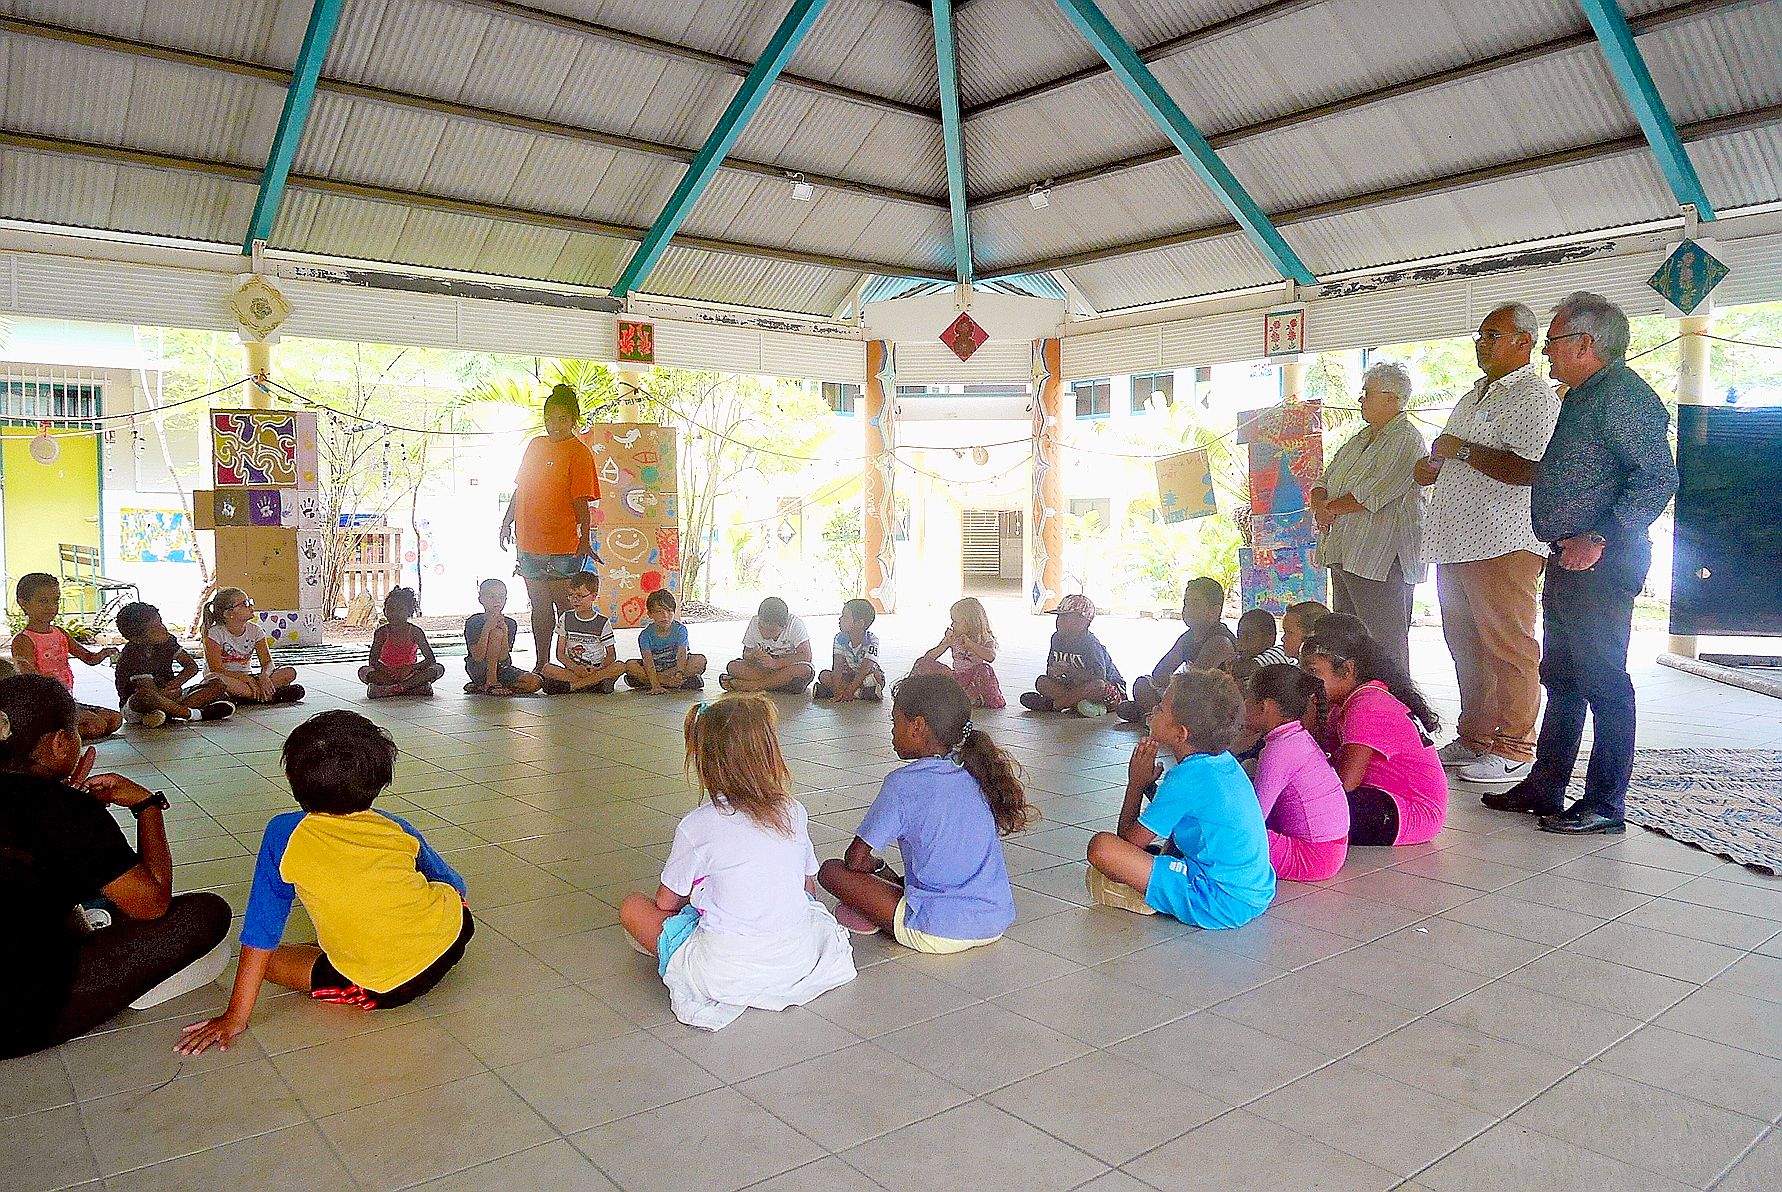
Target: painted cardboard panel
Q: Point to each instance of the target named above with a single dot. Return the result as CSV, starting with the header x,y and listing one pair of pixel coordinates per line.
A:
x,y
1283,531
230,508
309,569
1185,486
637,519
265,507
1275,579
254,448
154,536
261,561
204,509
1286,455
291,627
308,467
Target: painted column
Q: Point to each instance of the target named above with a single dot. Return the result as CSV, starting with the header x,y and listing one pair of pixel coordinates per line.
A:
x,y
259,365
1045,528
629,384
1693,376
879,523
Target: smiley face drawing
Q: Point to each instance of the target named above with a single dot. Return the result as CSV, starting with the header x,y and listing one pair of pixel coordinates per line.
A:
x,y
628,544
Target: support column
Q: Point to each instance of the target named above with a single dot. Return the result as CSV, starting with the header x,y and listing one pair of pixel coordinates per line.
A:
x,y
629,384
1693,377
1293,379
878,524
1045,528
259,365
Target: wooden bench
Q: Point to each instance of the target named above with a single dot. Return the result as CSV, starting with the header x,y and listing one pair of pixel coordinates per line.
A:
x,y
101,598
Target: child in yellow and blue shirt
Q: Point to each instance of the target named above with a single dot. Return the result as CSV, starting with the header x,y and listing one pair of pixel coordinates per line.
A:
x,y
390,914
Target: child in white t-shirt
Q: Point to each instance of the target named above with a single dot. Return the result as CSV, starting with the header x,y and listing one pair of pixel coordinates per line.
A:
x,y
776,653
734,922
233,642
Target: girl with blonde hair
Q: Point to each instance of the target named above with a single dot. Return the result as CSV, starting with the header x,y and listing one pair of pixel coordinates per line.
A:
x,y
734,923
973,646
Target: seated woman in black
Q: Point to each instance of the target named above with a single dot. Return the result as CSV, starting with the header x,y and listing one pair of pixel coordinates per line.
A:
x,y
59,846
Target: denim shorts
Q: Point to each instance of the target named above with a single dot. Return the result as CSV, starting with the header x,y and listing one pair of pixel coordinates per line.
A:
x,y
547,567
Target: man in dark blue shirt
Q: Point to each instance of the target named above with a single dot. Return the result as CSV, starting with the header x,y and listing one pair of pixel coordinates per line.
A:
x,y
1607,474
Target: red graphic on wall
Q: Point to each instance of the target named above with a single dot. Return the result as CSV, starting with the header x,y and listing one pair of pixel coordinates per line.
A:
x,y
964,337
668,549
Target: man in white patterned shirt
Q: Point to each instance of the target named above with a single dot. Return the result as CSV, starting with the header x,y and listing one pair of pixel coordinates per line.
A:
x,y
1478,532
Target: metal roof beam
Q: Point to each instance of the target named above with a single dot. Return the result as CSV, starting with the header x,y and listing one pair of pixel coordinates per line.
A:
x,y
1645,23
741,109
1754,118
1641,94
324,15
1137,78
552,128
119,155
669,49
946,63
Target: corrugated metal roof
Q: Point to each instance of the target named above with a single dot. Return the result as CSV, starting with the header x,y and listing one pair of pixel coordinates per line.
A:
x,y
1023,143
872,46
49,188
754,210
747,281
1207,267
1724,62
1099,213
825,134
256,29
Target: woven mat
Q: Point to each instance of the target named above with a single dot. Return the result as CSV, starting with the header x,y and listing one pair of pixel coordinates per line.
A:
x,y
1724,801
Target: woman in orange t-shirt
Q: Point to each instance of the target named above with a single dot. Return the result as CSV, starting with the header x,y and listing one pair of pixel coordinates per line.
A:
x,y
548,518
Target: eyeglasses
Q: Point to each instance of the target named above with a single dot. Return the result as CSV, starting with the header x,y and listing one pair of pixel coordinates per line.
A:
x,y
1492,336
1553,339
239,604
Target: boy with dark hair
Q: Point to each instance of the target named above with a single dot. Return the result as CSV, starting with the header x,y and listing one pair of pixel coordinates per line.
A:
x,y
1206,644
854,671
665,657
489,647
43,647
150,690
776,653
587,658
1297,624
389,913
1080,673
1256,646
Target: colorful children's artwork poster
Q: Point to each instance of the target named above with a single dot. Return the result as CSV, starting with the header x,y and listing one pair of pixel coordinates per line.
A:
x,y
290,627
263,448
154,536
1283,531
1275,579
637,521
1286,455
1185,486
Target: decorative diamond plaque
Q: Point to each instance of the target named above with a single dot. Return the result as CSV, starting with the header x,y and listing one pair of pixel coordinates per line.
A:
x,y
964,337
1688,276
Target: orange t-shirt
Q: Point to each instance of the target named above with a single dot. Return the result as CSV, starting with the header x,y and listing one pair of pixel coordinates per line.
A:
x,y
552,476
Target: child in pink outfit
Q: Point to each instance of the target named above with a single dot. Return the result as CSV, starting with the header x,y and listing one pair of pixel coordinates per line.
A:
x,y
1303,803
973,647
1398,792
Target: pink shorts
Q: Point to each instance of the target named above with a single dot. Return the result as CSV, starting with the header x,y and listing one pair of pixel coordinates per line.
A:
x,y
1297,860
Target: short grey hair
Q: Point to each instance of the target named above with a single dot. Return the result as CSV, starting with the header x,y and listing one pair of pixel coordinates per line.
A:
x,y
1391,376
1522,318
1603,321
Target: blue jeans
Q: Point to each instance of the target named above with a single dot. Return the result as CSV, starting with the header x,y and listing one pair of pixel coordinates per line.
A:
x,y
1587,617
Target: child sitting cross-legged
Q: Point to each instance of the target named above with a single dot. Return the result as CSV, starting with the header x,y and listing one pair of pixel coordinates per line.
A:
x,y
665,659
587,658
150,689
733,923
973,647
1213,870
854,671
1303,803
1205,643
776,653
402,661
489,647
233,642
1080,673
390,914
43,647
946,812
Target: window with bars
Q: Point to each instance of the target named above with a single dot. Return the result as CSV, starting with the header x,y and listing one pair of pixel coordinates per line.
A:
x,y
1094,398
31,401
1144,385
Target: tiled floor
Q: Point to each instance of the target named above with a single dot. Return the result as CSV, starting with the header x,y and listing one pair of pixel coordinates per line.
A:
x,y
1499,1009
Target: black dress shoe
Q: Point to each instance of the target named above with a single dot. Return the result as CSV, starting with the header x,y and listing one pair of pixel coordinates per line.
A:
x,y
1525,796
1582,821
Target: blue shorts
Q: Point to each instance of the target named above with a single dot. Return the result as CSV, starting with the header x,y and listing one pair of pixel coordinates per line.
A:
x,y
1183,891
677,931
548,567
505,672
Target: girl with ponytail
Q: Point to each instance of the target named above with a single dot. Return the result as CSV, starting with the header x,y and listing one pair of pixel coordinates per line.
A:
x,y
1304,807
1398,792
945,811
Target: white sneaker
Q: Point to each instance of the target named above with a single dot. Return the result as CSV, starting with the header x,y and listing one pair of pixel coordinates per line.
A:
x,y
1459,753
1492,769
154,718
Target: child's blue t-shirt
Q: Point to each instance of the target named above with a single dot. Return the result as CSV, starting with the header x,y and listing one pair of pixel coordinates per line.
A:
x,y
955,882
856,656
663,650
1207,808
1086,652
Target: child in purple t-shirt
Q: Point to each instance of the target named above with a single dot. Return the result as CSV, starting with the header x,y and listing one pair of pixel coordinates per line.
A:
x,y
945,811
1398,792
1303,802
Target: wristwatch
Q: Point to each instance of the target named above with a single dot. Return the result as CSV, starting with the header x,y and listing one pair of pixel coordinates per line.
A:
x,y
1464,452
157,799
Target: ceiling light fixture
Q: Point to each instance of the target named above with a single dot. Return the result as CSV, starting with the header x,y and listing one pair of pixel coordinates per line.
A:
x,y
801,190
1039,195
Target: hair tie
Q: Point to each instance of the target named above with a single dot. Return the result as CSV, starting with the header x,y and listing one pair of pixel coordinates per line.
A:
x,y
5,727
970,728
700,707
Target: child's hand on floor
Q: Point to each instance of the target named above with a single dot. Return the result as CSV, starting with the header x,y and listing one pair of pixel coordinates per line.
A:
x,y
198,1037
